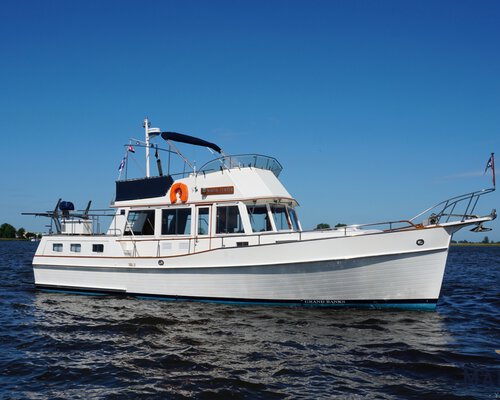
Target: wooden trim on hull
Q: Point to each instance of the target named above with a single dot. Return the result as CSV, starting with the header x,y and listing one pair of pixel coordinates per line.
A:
x,y
415,304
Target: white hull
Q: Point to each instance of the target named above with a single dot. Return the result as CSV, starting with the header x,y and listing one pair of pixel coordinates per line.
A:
x,y
384,269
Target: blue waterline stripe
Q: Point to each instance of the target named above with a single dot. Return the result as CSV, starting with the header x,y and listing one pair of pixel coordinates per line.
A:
x,y
414,304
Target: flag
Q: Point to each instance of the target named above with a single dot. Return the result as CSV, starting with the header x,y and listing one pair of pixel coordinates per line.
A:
x,y
156,152
122,165
131,149
491,164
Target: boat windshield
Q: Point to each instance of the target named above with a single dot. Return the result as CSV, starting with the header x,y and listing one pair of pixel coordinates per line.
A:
x,y
243,161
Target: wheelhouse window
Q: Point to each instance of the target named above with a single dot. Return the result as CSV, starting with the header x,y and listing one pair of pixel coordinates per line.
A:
x,y
293,219
284,218
229,220
259,218
176,221
140,222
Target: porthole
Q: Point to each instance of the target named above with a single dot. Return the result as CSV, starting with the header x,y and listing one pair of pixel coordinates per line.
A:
x,y
98,248
57,247
75,248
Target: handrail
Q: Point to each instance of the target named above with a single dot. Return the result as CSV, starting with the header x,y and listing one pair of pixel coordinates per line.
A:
x,y
448,207
409,223
242,161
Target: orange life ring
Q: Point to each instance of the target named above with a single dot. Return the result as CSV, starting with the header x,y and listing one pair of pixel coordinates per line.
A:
x,y
180,188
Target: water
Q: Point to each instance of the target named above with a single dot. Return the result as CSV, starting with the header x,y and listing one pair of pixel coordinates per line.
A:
x,y
90,347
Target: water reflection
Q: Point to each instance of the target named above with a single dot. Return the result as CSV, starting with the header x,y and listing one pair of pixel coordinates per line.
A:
x,y
188,346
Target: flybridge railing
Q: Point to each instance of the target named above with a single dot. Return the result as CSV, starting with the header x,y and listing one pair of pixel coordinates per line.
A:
x,y
243,161
460,208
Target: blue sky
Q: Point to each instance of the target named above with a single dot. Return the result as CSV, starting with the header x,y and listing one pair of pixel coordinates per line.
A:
x,y
376,109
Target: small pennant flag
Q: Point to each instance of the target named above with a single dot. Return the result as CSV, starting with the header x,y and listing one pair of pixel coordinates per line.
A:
x,y
122,165
131,149
491,164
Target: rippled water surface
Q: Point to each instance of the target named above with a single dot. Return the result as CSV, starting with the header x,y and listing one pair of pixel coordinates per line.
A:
x,y
92,347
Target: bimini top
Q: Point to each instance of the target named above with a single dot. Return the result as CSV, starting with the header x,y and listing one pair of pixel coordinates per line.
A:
x,y
226,162
179,137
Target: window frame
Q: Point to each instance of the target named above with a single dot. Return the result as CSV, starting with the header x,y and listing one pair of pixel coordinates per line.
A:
x,y
188,224
269,223
130,224
239,214
198,214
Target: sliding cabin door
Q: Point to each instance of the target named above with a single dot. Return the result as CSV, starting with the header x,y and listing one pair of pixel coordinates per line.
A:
x,y
203,228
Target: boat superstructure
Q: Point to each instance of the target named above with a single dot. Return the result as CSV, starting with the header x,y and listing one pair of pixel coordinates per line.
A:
x,y
229,232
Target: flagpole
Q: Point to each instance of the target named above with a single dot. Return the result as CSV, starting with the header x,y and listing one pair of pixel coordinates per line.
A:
x,y
493,168
491,164
146,126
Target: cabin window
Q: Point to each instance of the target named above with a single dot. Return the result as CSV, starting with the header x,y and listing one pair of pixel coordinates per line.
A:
x,y
57,247
176,221
98,248
140,223
203,221
229,220
259,218
280,218
294,219
75,247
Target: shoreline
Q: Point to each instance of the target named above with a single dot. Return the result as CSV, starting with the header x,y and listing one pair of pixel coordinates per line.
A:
x,y
475,244
16,240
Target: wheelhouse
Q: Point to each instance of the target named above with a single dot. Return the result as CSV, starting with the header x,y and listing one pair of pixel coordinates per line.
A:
x,y
227,218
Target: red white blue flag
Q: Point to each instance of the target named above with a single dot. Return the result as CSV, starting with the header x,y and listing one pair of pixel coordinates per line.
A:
x,y
122,165
131,149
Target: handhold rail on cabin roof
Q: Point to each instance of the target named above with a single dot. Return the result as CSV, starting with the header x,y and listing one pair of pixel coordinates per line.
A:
x,y
243,161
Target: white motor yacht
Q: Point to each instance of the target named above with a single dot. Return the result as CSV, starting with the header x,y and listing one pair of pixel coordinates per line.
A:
x,y
229,232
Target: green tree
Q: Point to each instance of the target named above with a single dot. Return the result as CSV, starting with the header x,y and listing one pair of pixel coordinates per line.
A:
x,y
21,232
322,226
340,225
7,231
486,240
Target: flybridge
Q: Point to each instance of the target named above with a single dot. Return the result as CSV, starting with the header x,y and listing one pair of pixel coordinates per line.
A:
x,y
158,186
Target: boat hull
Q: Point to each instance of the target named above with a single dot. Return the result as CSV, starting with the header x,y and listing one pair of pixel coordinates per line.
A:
x,y
336,272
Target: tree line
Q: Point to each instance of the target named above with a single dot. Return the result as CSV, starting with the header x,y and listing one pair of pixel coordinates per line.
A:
x,y
486,240
7,231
